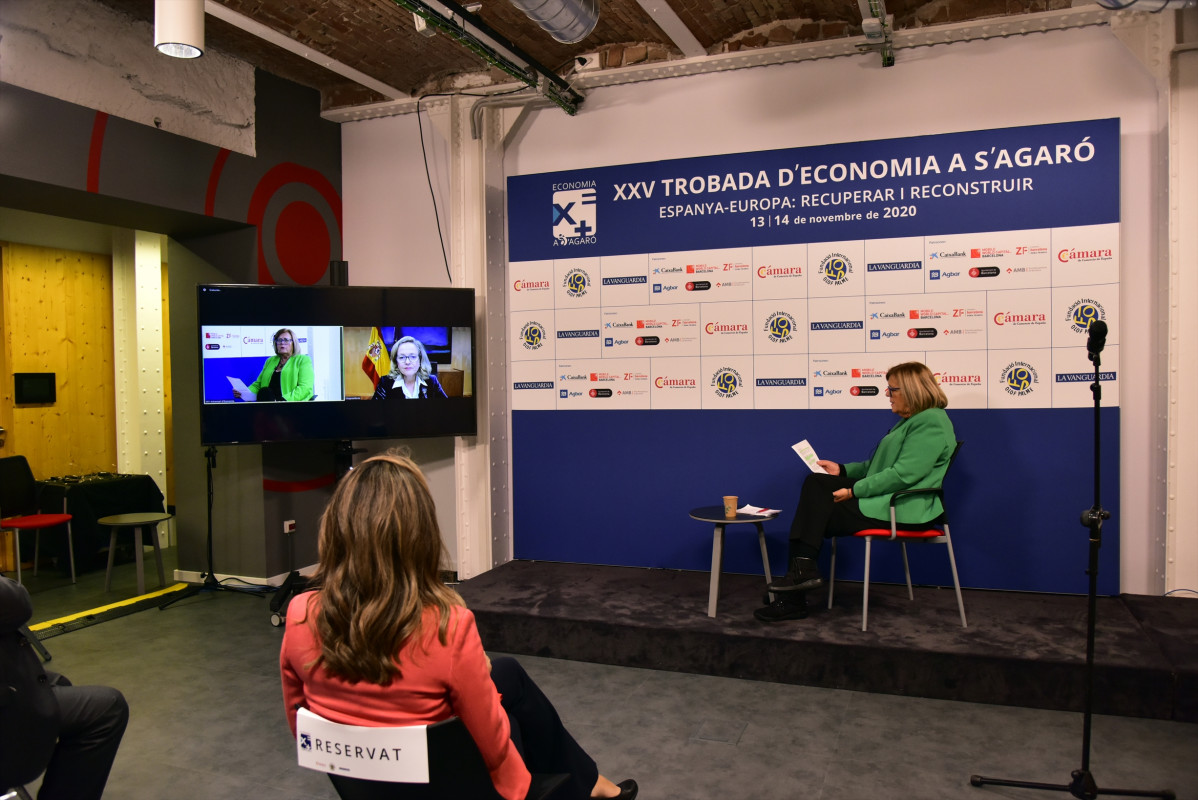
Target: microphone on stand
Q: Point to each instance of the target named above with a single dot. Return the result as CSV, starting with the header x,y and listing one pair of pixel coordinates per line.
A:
x,y
1097,340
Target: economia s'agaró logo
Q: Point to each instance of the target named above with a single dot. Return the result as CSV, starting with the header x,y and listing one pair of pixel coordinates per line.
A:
x,y
575,217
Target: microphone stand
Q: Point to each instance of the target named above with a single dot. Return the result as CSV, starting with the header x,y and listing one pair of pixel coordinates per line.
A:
x,y
1083,785
210,584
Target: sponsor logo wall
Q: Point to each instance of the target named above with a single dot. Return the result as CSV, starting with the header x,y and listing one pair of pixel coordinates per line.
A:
x,y
782,317
790,280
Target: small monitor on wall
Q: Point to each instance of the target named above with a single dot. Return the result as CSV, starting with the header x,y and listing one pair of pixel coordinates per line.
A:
x,y
34,387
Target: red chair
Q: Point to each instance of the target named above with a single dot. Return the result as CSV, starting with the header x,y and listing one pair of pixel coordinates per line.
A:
x,y
936,533
19,511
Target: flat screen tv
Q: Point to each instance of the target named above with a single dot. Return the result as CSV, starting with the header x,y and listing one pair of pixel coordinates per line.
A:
x,y
362,362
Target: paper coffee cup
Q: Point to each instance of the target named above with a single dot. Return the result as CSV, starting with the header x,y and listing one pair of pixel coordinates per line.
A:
x,y
729,506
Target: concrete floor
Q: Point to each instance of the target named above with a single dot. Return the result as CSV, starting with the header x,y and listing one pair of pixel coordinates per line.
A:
x,y
207,721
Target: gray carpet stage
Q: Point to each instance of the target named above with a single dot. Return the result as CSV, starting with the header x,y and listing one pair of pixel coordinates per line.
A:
x,y
1019,649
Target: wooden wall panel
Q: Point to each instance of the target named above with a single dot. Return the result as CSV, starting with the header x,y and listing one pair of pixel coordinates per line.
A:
x,y
57,317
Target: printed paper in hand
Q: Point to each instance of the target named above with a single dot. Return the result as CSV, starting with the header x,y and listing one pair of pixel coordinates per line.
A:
x,y
240,386
807,453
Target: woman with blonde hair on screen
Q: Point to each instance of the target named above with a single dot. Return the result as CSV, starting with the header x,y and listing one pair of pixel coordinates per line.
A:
x,y
382,641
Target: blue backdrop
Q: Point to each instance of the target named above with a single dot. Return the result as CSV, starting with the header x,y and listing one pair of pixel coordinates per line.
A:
x,y
618,486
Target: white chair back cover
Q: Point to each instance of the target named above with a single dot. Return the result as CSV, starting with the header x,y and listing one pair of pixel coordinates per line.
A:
x,y
397,755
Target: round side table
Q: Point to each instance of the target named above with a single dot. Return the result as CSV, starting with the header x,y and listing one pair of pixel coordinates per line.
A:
x,y
715,515
146,522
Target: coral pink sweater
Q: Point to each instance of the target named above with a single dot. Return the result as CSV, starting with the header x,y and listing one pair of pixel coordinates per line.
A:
x,y
438,681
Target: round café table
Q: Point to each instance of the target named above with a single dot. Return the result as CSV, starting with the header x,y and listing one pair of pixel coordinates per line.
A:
x,y
715,515
144,522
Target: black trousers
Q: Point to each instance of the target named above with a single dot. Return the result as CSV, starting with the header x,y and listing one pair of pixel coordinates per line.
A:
x,y
93,720
819,517
538,733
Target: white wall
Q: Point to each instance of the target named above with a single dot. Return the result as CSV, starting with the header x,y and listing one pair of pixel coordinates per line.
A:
x,y
391,240
1041,78
390,227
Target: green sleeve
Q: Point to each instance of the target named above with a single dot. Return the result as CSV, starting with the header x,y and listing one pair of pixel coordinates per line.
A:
x,y
264,375
305,378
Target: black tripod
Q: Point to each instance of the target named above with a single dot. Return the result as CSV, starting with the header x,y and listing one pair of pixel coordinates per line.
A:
x,y
1083,785
210,584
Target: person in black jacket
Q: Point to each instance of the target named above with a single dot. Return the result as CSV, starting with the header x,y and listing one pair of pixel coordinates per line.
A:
x,y
70,732
411,375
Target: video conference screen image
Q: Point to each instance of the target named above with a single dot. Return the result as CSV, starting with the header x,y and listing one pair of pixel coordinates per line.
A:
x,y
408,362
289,363
252,363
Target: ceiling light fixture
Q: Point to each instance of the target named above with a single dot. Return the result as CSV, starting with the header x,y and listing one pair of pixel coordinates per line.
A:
x,y
179,28
567,21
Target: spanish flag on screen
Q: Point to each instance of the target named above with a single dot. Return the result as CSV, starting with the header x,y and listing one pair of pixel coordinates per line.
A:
x,y
376,363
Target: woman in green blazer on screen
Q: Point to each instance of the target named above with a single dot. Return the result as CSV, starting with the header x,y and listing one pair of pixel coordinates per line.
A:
x,y
856,496
287,375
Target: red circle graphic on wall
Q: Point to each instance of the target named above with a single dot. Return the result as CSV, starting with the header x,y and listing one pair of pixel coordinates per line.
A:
x,y
298,216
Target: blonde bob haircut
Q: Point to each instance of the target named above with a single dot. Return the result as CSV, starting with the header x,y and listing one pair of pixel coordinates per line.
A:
x,y
918,385
380,560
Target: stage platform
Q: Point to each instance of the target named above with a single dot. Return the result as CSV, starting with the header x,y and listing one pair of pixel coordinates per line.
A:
x,y
1020,649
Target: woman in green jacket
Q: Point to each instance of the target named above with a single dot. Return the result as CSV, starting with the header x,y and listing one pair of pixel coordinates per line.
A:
x,y
854,497
287,375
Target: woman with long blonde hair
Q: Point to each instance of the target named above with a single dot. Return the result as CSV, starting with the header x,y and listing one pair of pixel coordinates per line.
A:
x,y
382,641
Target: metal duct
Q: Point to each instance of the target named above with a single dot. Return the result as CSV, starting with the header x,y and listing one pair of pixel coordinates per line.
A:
x,y
567,21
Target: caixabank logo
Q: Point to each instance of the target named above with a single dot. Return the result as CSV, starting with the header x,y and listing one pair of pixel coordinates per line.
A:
x,y
727,382
532,336
780,327
576,282
1019,378
1082,312
575,213
835,269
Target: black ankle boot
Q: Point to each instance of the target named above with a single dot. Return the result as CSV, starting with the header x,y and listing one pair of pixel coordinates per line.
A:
x,y
802,576
787,606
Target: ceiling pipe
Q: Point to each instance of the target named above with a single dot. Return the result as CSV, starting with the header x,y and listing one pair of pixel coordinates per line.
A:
x,y
479,38
567,21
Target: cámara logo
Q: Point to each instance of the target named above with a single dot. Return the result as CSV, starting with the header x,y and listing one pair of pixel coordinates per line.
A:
x,y
1015,318
725,327
1074,254
767,271
952,379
